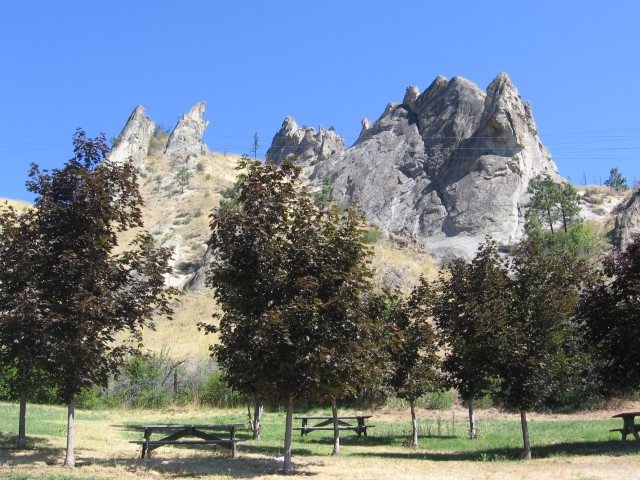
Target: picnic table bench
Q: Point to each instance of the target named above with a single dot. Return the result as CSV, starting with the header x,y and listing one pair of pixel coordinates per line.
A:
x,y
325,422
200,435
628,425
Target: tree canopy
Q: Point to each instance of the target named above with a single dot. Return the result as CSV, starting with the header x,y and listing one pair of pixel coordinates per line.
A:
x,y
609,310
80,292
292,279
470,309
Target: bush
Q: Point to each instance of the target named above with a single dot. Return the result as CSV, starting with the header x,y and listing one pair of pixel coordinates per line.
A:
x,y
373,235
216,393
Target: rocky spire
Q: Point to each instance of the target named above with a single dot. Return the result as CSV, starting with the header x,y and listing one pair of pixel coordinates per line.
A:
x,y
186,138
133,141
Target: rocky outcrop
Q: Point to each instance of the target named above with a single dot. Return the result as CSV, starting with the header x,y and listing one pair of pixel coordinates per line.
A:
x,y
186,138
305,144
133,141
627,222
445,167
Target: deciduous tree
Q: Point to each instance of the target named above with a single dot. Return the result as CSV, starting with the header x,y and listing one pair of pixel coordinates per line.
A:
x,y
470,308
86,291
610,313
538,351
415,368
292,280
23,341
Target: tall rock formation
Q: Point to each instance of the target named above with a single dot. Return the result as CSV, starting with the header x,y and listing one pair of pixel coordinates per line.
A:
x,y
133,141
186,138
627,222
445,167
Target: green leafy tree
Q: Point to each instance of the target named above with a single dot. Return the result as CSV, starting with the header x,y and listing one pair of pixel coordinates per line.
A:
x,y
610,313
86,292
293,283
415,365
470,308
616,180
538,351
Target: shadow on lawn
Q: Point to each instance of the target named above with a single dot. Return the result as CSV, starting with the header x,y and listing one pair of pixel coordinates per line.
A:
x,y
609,447
216,465
38,450
374,441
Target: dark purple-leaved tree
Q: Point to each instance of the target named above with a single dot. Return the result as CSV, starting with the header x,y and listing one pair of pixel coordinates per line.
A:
x,y
470,306
539,348
298,319
86,291
609,311
415,367
23,343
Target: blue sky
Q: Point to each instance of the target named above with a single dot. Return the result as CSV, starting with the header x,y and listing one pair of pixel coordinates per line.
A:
x,y
71,64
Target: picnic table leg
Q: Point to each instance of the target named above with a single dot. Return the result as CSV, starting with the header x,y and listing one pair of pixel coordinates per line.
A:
x,y
234,450
361,427
145,446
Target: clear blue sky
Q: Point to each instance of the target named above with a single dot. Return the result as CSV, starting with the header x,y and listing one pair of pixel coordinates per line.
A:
x,y
70,64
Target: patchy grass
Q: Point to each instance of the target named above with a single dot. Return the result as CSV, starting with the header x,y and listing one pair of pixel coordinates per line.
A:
x,y
567,447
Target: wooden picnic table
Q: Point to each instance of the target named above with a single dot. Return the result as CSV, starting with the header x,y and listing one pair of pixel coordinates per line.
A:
x,y
325,422
628,424
201,434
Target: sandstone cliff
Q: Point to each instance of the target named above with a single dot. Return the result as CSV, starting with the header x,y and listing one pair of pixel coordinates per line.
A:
x,y
445,167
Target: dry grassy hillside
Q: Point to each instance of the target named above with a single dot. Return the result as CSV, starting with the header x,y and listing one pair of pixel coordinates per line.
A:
x,y
19,205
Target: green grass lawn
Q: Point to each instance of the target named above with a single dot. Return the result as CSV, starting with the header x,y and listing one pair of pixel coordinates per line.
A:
x,y
443,437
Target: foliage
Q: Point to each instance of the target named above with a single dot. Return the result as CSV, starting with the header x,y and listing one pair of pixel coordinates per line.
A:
x,y
539,348
415,365
551,204
616,180
470,308
610,311
289,276
326,193
85,293
372,235
539,351
292,280
183,176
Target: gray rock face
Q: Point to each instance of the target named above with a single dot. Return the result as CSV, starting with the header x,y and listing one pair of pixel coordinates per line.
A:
x,y
445,167
186,138
628,222
309,147
133,142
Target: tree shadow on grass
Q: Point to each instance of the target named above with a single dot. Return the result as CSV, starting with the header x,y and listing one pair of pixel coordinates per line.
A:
x,y
215,465
612,448
38,449
373,441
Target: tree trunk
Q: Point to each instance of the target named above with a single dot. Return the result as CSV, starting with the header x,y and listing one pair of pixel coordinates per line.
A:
x,y
287,468
22,420
336,428
525,435
473,430
414,423
70,460
258,408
